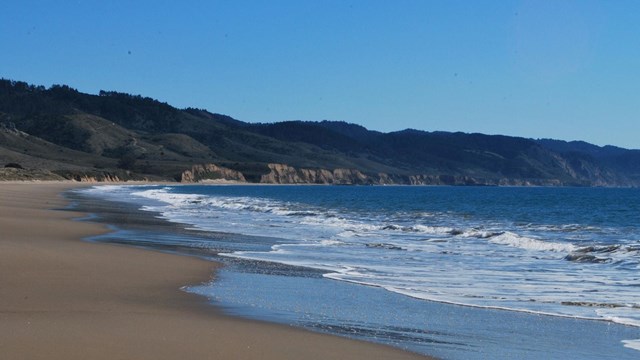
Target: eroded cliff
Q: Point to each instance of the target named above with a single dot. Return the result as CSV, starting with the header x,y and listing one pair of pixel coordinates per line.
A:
x,y
204,172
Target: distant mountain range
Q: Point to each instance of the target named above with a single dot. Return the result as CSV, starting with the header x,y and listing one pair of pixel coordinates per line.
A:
x,y
58,132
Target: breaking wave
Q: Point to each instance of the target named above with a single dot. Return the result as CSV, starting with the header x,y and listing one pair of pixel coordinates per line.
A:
x,y
559,269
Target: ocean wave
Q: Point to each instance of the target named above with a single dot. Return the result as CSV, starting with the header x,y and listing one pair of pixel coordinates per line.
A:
x,y
164,195
384,246
103,189
426,229
440,257
444,230
563,228
114,192
522,242
474,300
332,242
433,229
614,253
481,234
301,213
626,315
586,258
612,249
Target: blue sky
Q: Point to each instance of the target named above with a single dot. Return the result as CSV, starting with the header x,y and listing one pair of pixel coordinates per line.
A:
x,y
560,69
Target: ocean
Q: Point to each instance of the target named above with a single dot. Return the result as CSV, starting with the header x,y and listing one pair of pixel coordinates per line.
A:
x,y
453,272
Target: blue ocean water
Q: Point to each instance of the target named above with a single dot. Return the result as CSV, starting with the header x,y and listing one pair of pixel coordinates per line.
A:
x,y
539,272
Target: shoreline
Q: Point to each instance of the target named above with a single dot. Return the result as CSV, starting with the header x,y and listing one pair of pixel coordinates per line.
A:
x,y
245,287
70,299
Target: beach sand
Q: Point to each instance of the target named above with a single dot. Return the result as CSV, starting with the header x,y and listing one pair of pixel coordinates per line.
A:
x,y
63,298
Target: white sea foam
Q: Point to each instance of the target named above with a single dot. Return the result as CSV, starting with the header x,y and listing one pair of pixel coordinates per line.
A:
x,y
166,196
107,191
331,243
103,189
632,344
433,229
515,240
449,259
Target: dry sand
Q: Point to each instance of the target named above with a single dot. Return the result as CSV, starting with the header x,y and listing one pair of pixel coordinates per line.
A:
x,y
62,298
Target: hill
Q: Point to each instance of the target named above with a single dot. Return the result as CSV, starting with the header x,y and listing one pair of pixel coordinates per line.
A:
x,y
59,132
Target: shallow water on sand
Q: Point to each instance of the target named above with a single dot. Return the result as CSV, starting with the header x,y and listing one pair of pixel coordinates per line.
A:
x,y
571,253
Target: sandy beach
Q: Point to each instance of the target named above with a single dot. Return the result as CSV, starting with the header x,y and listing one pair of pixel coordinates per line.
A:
x,y
63,298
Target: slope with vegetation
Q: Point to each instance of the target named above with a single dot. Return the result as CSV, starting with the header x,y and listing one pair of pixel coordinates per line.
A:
x,y
59,132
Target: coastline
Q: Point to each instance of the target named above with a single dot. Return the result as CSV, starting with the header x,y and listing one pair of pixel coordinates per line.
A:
x,y
70,299
275,292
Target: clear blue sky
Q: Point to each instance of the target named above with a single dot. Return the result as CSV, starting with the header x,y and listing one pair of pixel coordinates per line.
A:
x,y
561,69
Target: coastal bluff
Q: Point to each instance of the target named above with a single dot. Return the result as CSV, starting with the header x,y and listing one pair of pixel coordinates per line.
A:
x,y
204,172
62,133
285,174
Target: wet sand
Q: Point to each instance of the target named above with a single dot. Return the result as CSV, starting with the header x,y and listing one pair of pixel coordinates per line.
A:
x,y
63,298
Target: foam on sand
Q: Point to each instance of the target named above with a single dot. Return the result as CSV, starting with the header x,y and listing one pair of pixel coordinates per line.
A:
x,y
632,344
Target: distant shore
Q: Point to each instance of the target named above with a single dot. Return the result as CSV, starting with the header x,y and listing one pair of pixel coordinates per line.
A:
x,y
63,298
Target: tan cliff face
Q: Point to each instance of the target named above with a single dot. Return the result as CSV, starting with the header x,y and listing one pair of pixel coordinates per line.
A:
x,y
280,174
211,172
285,174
